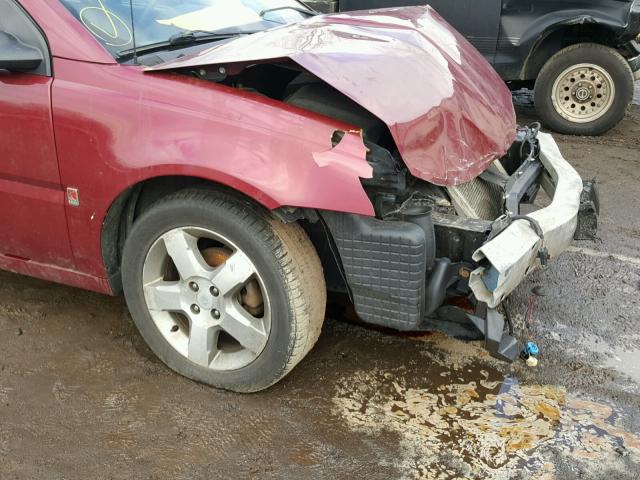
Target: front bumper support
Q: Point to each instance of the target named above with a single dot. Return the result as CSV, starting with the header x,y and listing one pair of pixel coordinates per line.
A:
x,y
519,185
491,324
488,321
506,259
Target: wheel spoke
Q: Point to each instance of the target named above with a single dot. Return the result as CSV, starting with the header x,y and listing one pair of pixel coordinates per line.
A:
x,y
247,330
183,250
233,273
163,296
203,339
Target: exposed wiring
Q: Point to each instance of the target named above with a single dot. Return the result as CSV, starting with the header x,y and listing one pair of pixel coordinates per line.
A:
x,y
543,253
528,320
534,224
530,139
415,196
507,316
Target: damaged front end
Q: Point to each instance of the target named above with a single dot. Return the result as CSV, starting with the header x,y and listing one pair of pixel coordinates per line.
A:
x,y
461,205
447,257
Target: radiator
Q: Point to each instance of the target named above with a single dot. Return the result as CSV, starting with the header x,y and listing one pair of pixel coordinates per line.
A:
x,y
477,199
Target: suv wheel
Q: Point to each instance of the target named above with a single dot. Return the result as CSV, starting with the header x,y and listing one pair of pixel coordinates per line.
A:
x,y
584,89
222,291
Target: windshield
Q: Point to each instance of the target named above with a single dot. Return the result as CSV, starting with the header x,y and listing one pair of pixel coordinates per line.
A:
x,y
156,21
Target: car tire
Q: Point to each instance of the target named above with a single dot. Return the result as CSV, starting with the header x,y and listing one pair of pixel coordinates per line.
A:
x,y
584,89
216,340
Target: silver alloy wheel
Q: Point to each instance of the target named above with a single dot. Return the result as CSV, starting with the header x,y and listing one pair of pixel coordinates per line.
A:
x,y
583,93
200,313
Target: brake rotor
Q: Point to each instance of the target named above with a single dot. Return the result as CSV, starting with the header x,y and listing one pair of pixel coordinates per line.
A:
x,y
250,296
216,256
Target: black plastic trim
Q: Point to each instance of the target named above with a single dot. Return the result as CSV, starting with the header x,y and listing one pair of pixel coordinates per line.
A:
x,y
520,183
385,263
47,57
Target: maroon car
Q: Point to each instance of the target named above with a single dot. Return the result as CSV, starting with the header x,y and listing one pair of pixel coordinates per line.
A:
x,y
225,162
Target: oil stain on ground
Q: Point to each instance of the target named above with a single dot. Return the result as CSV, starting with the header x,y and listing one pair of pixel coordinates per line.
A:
x,y
490,427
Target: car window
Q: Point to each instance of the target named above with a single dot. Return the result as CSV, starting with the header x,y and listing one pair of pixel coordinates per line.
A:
x,y
15,21
157,20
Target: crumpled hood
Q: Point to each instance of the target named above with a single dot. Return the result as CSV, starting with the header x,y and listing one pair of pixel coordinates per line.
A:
x,y
449,112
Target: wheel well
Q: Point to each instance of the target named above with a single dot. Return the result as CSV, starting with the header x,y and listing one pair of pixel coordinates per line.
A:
x,y
560,38
129,205
138,198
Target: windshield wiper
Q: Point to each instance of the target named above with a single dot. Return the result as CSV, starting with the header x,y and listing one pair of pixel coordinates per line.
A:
x,y
195,36
182,39
305,11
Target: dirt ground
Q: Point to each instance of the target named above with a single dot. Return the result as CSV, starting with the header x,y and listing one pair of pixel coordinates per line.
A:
x,y
81,396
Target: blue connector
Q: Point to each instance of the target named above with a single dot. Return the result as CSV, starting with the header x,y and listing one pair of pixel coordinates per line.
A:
x,y
531,349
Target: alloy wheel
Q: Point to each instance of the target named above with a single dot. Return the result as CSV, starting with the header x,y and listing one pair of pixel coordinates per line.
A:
x,y
206,298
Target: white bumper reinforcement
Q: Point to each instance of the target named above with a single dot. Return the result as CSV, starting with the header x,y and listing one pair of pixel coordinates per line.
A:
x,y
514,252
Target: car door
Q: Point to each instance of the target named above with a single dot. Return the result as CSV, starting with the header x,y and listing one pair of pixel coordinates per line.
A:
x,y
32,217
477,20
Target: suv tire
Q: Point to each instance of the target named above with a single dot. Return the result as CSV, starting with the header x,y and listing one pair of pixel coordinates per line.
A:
x,y
584,89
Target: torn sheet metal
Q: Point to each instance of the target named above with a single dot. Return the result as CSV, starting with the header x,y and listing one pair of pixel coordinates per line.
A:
x,y
351,147
341,167
449,112
514,253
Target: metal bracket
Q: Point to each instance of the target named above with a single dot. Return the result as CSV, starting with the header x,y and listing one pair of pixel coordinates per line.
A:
x,y
491,324
497,342
519,184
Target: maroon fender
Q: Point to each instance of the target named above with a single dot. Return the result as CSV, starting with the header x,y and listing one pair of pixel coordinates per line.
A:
x,y
116,126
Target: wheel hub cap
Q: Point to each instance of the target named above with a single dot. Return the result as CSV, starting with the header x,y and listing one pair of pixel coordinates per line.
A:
x,y
206,301
583,93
